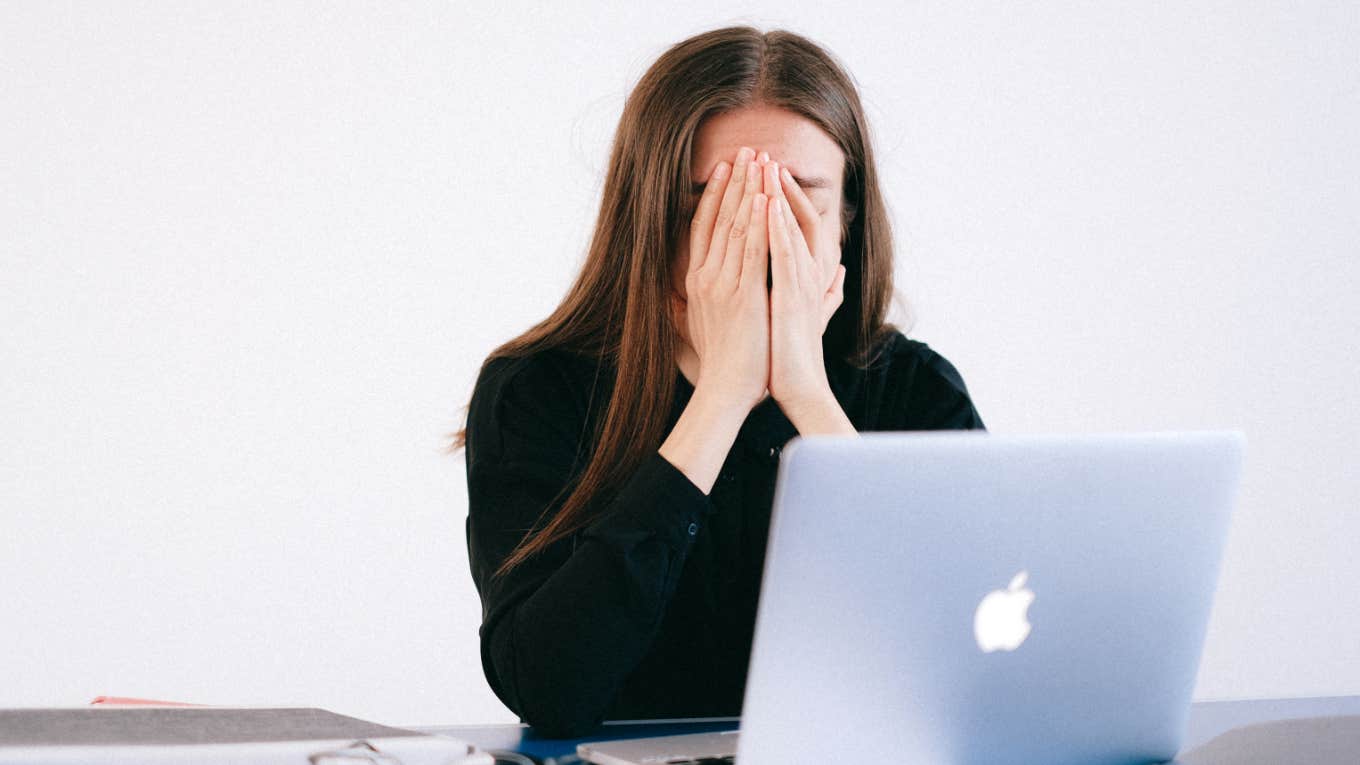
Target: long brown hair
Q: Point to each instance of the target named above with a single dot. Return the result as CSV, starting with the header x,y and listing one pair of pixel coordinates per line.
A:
x,y
613,311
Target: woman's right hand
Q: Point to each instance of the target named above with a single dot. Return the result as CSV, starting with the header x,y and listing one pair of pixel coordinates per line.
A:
x,y
727,312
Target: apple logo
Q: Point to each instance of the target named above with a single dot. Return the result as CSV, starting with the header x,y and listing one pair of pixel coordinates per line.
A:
x,y
1000,622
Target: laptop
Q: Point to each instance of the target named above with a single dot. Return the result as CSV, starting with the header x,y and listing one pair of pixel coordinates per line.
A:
x,y
970,597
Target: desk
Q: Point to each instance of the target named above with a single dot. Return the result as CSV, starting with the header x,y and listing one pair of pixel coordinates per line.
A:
x,y
1207,719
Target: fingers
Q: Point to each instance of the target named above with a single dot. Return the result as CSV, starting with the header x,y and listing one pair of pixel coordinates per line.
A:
x,y
701,227
741,226
804,264
838,286
834,296
782,252
773,188
804,212
755,261
797,222
803,221
797,257
826,256
732,199
803,215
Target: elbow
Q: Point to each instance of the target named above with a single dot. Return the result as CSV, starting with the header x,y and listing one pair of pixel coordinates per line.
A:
x,y
556,707
554,712
559,718
552,708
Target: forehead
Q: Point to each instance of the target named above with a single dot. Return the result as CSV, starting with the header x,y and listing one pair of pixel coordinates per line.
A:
x,y
792,140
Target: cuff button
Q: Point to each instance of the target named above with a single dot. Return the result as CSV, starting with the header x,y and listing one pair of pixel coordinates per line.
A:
x,y
693,529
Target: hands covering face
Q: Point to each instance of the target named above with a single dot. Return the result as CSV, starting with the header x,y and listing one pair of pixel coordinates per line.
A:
x,y
750,338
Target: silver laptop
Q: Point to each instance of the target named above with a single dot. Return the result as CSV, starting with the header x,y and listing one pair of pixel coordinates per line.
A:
x,y
970,597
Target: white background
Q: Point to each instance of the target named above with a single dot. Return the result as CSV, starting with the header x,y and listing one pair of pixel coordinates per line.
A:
x,y
252,255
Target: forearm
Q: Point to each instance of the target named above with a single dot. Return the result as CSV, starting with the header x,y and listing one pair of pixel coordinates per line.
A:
x,y
819,415
702,437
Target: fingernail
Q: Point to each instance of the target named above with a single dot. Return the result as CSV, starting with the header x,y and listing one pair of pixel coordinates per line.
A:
x,y
745,154
777,207
720,171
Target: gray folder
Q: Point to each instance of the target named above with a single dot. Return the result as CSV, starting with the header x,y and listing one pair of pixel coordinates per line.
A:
x,y
166,735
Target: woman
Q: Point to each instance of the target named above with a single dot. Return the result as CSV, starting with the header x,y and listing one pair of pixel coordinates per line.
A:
x,y
621,454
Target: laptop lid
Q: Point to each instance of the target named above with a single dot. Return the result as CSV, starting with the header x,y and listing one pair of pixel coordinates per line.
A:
x,y
972,597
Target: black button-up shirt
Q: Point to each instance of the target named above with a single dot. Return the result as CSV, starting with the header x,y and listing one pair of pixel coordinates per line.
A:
x,y
649,611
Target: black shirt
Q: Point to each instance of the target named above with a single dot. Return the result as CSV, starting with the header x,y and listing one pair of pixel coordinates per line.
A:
x,y
649,611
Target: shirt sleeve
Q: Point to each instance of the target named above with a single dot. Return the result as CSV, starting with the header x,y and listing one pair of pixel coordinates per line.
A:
x,y
933,395
561,632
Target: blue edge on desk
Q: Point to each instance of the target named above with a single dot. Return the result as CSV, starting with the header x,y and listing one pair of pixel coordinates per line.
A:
x,y
1207,720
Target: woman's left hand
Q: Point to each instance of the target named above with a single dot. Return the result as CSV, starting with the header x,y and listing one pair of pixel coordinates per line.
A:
x,y
807,288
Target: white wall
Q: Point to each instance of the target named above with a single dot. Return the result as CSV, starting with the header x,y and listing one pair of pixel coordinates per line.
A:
x,y
251,256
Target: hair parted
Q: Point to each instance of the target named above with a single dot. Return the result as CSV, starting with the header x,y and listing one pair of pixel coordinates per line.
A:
x,y
615,310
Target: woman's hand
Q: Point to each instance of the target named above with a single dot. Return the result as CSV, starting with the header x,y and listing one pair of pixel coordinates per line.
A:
x,y
727,312
807,289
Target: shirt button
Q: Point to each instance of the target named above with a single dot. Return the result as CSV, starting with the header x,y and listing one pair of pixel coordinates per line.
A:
x,y
693,529
773,451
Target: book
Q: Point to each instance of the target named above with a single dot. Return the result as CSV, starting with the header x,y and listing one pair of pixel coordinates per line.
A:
x,y
171,735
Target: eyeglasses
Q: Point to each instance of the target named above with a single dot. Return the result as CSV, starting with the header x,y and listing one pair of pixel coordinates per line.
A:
x,y
363,752
357,752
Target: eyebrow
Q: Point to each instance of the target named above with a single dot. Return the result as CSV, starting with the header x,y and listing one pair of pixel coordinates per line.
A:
x,y
815,182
